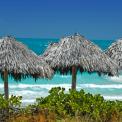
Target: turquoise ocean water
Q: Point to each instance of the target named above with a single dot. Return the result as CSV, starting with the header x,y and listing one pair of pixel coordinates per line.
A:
x,y
109,87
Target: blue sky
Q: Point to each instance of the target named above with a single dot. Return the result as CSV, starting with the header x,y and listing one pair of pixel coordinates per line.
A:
x,y
95,19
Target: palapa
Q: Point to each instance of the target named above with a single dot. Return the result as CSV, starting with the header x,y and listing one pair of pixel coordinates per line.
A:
x,y
75,53
19,62
115,52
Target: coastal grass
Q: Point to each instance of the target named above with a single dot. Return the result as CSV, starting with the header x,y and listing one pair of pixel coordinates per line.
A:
x,y
51,118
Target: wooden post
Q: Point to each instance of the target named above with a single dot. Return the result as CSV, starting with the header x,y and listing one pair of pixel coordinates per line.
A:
x,y
74,78
6,84
6,111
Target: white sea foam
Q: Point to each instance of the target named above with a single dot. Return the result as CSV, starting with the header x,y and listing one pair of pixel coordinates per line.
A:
x,y
106,86
28,101
116,79
39,86
30,92
113,97
23,92
66,86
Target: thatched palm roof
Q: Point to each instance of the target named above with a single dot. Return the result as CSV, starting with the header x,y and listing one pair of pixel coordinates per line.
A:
x,y
50,48
77,51
115,52
19,61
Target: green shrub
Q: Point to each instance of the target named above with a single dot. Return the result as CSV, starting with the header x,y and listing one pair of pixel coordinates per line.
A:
x,y
13,101
8,107
67,105
79,103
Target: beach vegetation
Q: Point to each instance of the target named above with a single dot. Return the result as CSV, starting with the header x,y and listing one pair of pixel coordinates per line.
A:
x,y
63,106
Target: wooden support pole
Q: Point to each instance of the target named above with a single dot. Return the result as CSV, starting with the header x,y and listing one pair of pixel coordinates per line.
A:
x,y
74,71
6,91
